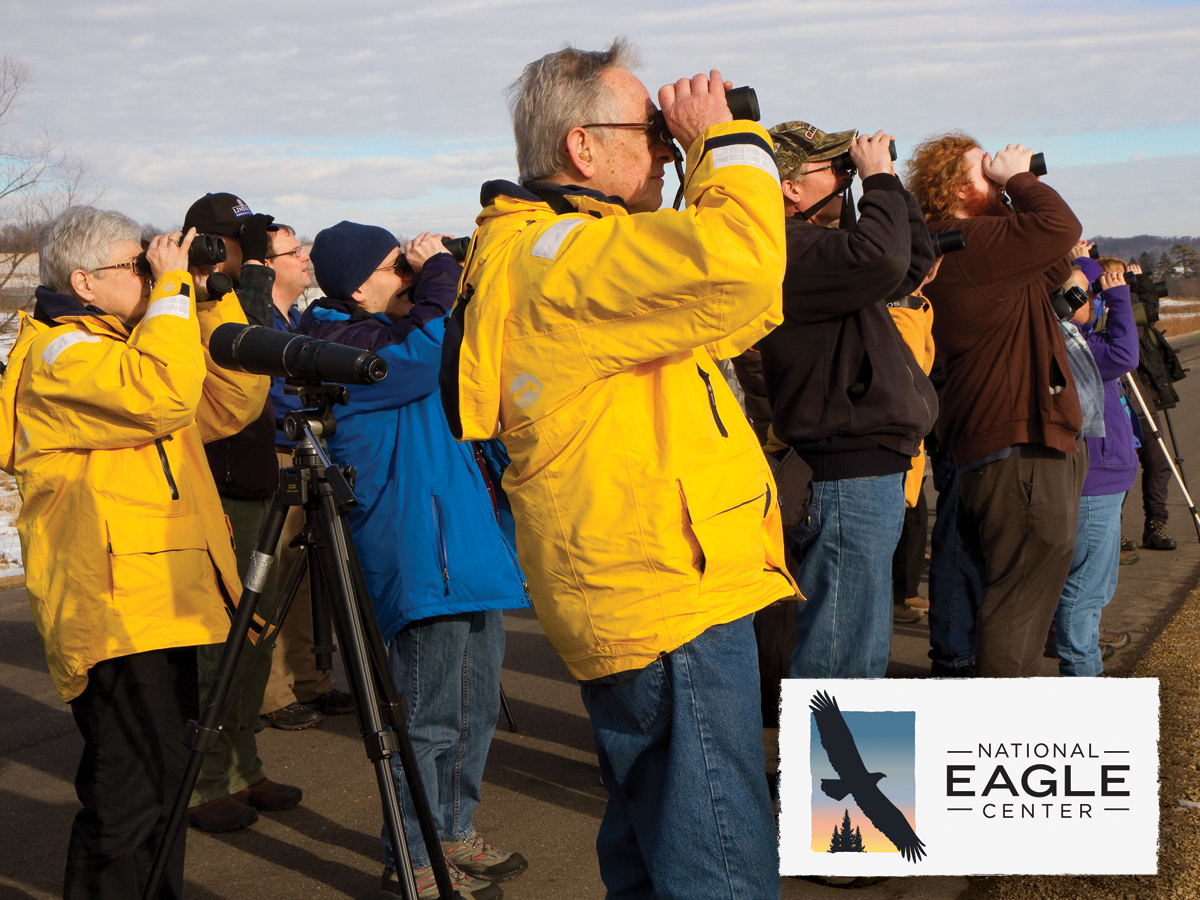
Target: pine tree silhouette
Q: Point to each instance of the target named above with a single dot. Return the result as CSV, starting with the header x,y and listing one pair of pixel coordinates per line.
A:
x,y
844,840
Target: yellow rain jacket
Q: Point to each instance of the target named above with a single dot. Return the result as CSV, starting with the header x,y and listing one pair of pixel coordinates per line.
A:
x,y
586,340
914,319
125,545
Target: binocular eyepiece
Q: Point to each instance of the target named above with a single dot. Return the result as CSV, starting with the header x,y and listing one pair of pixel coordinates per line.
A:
x,y
206,250
947,241
457,248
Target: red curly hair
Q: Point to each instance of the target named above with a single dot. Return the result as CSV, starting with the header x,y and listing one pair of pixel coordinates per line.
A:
x,y
936,171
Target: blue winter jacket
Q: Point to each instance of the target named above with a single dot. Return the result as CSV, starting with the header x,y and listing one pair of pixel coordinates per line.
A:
x,y
426,527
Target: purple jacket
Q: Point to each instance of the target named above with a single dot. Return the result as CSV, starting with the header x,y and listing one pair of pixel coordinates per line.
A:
x,y
1112,459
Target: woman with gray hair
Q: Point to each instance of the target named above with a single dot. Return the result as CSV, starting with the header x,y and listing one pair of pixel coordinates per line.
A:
x,y
104,408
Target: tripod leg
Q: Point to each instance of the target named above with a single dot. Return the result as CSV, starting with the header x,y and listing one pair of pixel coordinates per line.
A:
x,y
1175,444
201,736
358,634
512,726
1163,446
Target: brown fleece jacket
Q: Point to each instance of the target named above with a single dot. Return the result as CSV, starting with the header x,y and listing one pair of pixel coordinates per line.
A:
x,y
1007,378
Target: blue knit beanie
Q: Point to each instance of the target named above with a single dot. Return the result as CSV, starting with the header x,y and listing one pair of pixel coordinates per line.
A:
x,y
345,255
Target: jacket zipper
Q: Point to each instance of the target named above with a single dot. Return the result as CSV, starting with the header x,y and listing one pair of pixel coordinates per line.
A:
x,y
712,402
443,557
162,455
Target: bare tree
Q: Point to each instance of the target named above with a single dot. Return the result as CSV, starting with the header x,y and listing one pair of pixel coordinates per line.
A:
x,y
38,178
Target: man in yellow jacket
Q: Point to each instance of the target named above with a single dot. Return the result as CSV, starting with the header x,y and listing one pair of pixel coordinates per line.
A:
x,y
586,336
105,406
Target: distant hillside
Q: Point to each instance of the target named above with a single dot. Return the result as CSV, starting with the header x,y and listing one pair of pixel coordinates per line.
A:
x,y
1125,248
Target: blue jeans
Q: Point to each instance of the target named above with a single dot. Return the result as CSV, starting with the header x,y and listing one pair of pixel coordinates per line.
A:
x,y
448,669
681,755
845,628
1090,585
956,572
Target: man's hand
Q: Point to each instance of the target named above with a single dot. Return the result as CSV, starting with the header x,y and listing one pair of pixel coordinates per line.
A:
x,y
422,247
692,106
1111,280
253,238
169,252
1081,249
872,155
1012,160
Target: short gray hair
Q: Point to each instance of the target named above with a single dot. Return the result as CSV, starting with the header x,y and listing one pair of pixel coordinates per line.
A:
x,y
557,93
81,237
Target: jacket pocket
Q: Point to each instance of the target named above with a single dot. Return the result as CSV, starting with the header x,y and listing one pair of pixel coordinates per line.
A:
x,y
725,509
160,566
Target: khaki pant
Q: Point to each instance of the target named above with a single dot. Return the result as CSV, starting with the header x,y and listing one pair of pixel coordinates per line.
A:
x,y
294,674
1026,507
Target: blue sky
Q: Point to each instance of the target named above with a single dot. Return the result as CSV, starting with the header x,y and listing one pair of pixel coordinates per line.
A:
x,y
394,113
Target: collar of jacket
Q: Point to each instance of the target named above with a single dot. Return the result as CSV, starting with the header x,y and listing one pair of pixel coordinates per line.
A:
x,y
54,309
583,199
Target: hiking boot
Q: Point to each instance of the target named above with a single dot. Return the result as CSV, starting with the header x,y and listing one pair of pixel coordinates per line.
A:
x,y
332,703
477,857
269,796
1155,536
904,615
221,815
1114,639
468,888
292,717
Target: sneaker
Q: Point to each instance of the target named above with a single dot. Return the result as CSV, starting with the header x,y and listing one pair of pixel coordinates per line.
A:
x,y
904,615
468,888
332,703
477,857
221,815
269,796
1114,639
292,717
1155,536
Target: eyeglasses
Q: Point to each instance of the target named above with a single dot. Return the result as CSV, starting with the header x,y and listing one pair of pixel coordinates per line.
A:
x,y
297,252
132,266
644,126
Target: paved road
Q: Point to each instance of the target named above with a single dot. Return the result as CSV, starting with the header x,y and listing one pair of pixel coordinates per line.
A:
x,y
542,793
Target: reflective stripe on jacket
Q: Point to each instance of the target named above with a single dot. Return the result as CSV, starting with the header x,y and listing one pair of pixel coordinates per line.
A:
x,y
645,510
125,545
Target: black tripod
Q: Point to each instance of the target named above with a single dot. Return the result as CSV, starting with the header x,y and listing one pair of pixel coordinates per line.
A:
x,y
337,584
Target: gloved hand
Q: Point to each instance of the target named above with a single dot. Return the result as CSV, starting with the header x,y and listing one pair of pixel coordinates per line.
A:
x,y
254,236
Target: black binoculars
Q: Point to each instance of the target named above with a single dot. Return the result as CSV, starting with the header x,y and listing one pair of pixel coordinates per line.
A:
x,y
742,102
844,165
456,246
206,250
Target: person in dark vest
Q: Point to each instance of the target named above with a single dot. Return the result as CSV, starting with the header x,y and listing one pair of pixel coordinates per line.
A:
x,y
232,786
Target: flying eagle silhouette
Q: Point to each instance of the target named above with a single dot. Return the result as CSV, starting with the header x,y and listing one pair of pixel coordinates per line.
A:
x,y
856,780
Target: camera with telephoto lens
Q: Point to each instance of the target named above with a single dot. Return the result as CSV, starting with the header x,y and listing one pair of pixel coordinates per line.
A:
x,y
456,247
297,357
206,250
947,241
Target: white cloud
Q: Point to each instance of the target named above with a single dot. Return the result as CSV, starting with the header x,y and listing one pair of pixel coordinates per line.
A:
x,y
377,108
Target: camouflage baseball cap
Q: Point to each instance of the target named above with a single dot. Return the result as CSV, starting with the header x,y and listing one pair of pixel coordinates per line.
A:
x,y
799,142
